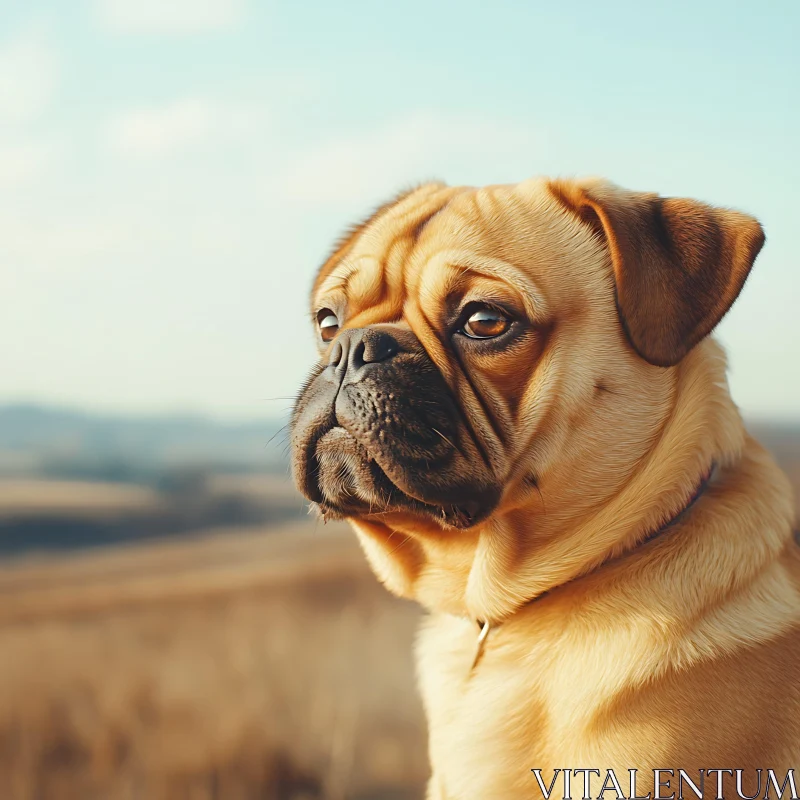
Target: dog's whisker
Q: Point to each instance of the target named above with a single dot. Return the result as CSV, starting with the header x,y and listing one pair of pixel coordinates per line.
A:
x,y
437,431
282,429
402,544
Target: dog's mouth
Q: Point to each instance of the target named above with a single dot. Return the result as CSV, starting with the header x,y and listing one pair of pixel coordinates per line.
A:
x,y
344,480
386,437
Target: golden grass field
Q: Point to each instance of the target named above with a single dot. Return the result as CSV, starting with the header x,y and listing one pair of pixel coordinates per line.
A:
x,y
233,666
236,665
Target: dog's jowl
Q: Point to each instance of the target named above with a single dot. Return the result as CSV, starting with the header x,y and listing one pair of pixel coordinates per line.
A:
x,y
518,407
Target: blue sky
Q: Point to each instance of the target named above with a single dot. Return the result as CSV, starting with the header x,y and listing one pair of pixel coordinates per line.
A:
x,y
171,173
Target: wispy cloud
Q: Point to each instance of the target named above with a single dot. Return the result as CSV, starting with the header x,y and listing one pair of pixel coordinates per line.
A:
x,y
180,124
28,75
21,162
160,130
170,17
49,245
363,166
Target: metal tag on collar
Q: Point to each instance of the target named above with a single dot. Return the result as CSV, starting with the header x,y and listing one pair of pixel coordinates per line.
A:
x,y
481,643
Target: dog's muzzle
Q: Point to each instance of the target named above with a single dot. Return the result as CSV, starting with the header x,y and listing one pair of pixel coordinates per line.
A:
x,y
377,430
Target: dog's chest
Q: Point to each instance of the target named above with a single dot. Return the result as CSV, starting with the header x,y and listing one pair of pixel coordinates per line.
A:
x,y
529,703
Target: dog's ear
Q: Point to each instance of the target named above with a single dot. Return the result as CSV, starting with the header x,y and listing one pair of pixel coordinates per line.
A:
x,y
678,264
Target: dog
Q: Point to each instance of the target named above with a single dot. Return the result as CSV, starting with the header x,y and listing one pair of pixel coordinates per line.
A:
x,y
519,409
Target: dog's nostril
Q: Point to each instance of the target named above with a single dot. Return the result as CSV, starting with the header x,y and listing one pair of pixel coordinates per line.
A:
x,y
357,355
355,348
379,347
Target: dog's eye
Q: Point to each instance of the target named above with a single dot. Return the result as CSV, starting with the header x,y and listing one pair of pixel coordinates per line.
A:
x,y
486,323
328,324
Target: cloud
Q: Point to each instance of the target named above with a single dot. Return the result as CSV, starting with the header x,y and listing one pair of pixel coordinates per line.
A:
x,y
28,75
52,244
424,145
170,17
184,123
20,162
155,131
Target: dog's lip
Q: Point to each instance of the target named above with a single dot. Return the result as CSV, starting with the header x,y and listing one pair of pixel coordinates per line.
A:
x,y
453,515
458,516
310,468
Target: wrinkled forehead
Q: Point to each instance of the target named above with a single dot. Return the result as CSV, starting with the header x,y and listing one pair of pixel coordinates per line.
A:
x,y
439,241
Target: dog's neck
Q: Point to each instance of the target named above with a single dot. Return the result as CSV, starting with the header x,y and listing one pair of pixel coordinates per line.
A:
x,y
490,573
484,627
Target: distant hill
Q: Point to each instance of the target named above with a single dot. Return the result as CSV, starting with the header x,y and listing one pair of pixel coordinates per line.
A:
x,y
53,441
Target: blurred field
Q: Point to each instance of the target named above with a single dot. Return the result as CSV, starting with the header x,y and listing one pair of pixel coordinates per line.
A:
x,y
195,635
234,666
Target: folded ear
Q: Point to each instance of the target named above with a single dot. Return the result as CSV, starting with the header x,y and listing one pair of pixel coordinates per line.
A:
x,y
678,264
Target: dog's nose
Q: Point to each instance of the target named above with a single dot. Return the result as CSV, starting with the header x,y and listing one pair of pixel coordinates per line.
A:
x,y
354,349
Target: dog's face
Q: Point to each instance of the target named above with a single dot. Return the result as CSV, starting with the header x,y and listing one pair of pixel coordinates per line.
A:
x,y
484,350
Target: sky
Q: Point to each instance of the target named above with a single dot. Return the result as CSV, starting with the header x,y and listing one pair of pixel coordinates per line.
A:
x,y
172,172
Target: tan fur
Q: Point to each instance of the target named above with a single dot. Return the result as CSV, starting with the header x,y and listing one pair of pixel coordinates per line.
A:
x,y
681,653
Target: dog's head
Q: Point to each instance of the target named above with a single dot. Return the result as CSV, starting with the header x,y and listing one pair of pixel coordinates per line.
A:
x,y
482,350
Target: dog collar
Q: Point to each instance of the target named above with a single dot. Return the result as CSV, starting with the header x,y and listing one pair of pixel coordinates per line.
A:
x,y
485,627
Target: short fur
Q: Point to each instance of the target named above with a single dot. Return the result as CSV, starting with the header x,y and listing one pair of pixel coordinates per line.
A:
x,y
595,425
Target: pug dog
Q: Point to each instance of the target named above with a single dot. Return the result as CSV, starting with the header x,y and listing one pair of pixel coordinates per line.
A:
x,y
518,408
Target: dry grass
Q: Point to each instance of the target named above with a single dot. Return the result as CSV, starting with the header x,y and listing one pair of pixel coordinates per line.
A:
x,y
233,667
